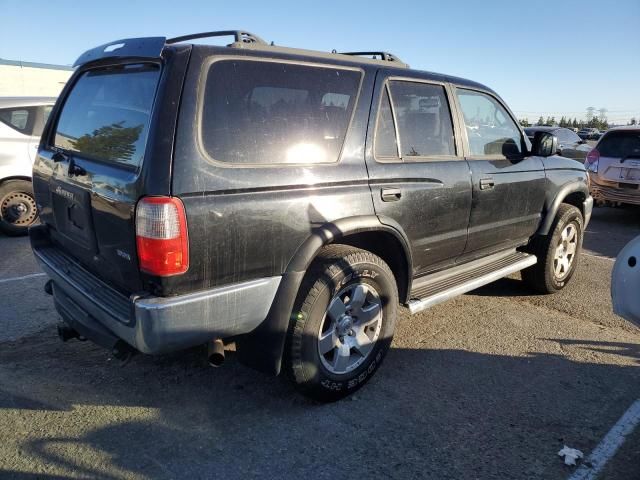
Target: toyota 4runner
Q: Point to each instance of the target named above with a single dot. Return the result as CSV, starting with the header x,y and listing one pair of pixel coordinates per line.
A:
x,y
287,201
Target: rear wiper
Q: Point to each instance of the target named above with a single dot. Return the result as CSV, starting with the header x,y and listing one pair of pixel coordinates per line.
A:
x,y
633,155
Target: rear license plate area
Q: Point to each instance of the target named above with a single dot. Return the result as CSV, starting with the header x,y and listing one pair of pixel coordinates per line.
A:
x,y
72,212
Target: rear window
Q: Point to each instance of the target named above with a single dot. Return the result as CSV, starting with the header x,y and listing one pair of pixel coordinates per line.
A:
x,y
620,144
106,115
20,119
267,113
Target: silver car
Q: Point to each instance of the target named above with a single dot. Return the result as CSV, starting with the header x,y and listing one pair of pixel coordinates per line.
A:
x,y
21,122
614,166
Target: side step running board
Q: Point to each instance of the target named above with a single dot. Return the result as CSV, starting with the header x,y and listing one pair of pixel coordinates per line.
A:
x,y
442,286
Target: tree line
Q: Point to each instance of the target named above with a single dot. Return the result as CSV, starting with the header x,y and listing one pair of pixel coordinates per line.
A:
x,y
567,122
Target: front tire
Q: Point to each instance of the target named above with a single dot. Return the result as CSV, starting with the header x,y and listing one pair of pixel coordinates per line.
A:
x,y
342,324
18,209
558,252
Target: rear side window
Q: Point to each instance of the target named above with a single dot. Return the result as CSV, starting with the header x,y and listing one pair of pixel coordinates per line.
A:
x,y
271,113
20,119
106,115
490,129
424,120
566,136
620,144
385,140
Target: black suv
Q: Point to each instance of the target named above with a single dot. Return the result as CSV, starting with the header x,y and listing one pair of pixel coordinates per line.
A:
x,y
287,201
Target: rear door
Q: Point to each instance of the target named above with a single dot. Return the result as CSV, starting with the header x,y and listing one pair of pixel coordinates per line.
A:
x,y
620,158
87,176
418,176
508,184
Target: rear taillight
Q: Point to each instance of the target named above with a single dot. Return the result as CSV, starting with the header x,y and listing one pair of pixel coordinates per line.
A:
x,y
592,161
161,236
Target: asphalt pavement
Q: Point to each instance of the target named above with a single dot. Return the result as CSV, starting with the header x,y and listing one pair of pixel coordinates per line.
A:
x,y
489,385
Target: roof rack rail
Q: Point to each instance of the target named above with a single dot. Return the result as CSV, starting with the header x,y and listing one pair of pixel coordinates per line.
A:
x,y
389,57
240,36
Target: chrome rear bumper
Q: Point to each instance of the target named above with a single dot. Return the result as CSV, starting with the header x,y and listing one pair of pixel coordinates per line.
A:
x,y
153,324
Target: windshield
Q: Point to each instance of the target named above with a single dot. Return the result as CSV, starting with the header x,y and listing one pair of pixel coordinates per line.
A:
x,y
106,115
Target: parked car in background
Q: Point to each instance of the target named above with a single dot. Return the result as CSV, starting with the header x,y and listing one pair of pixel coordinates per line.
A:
x,y
589,134
21,122
570,145
614,166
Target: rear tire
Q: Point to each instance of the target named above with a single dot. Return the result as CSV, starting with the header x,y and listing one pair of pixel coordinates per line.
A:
x,y
18,209
342,324
558,252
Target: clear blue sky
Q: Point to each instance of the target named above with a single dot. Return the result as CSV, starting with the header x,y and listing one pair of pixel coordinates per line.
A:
x,y
543,57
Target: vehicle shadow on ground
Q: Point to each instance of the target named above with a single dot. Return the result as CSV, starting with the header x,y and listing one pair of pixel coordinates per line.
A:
x,y
426,414
505,287
611,229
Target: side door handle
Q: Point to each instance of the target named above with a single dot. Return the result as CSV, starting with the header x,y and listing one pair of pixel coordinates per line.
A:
x,y
487,183
390,194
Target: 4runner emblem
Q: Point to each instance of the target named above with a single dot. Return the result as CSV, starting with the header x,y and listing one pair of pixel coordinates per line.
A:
x,y
65,193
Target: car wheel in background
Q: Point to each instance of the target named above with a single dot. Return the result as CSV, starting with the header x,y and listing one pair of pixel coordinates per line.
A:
x,y
17,207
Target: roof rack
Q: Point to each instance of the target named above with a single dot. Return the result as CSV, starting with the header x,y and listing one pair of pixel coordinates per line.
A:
x,y
389,57
240,36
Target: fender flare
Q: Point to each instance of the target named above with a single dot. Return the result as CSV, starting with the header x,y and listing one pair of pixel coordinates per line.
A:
x,y
263,348
331,232
551,207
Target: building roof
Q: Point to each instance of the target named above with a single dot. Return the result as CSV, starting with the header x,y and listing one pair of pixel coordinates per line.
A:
x,y
13,102
19,63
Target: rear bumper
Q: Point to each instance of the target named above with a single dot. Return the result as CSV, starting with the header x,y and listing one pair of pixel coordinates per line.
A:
x,y
147,323
610,193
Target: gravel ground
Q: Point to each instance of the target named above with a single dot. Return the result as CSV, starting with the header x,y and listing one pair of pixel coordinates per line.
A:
x,y
489,385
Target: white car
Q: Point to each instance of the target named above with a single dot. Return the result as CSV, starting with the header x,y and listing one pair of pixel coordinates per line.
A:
x,y
625,282
21,122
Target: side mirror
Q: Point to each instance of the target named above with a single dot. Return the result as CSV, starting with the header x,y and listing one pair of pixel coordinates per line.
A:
x,y
544,144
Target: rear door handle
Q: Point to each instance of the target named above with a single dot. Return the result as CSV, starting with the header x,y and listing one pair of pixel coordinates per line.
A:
x,y
487,183
390,194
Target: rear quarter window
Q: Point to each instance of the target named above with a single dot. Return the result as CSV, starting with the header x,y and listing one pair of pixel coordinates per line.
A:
x,y
20,118
265,113
106,115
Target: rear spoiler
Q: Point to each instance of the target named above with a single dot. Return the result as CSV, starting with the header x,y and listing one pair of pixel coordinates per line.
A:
x,y
129,47
151,47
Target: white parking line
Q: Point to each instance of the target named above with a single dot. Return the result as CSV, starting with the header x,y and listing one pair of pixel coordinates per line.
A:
x,y
26,277
609,444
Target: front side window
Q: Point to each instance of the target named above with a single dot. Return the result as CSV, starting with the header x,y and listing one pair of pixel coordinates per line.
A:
x,y
106,116
268,113
424,119
20,119
490,129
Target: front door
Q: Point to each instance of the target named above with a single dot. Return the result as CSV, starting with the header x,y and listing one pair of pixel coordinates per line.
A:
x,y
418,176
508,184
